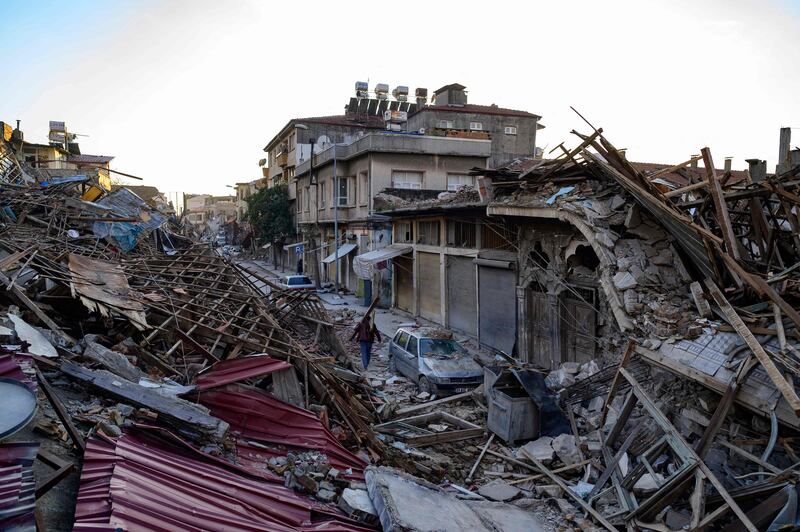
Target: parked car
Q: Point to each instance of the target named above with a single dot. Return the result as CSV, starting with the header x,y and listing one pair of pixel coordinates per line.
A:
x,y
297,282
434,360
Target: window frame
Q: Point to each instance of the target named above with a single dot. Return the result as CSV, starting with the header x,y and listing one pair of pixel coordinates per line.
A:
x,y
421,183
476,126
510,130
458,174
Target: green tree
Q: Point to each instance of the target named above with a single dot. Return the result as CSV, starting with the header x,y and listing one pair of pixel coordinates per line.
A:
x,y
269,214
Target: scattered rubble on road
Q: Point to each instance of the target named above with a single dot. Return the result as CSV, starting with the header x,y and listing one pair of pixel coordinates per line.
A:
x,y
193,397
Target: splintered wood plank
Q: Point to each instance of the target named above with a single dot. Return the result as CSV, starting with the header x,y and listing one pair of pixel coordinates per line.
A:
x,y
721,208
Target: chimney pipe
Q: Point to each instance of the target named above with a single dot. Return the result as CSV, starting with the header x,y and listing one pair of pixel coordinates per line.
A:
x,y
757,169
728,163
783,149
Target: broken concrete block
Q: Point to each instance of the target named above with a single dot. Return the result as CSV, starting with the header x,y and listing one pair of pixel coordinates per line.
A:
x,y
624,281
596,404
357,505
696,416
567,450
408,503
559,379
551,490
505,517
582,489
541,449
571,367
498,490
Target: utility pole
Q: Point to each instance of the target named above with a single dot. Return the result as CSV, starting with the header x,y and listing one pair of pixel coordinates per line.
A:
x,y
336,224
311,240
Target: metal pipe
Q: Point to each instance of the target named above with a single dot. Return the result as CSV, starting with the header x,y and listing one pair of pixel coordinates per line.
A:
x,y
336,196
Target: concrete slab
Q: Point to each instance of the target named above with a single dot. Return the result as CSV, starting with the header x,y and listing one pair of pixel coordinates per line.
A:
x,y
405,503
506,517
498,490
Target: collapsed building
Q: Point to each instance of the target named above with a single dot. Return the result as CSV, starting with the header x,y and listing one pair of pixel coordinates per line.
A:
x,y
643,321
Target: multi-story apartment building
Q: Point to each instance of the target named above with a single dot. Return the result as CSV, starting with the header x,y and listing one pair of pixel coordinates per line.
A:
x,y
345,197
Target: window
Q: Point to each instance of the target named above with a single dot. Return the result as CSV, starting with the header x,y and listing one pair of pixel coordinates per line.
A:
x,y
446,124
402,339
461,234
406,179
307,197
322,198
476,126
497,236
363,188
412,346
511,130
299,200
456,181
343,199
403,232
428,233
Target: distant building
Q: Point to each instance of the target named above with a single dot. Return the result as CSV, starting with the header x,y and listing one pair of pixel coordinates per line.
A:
x,y
512,132
209,213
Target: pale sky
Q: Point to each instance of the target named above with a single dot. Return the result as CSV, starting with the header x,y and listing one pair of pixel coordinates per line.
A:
x,y
187,93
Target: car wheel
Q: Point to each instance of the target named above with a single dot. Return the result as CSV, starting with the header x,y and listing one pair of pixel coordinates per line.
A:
x,y
425,385
392,364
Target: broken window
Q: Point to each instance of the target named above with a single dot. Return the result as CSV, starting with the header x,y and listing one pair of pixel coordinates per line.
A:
x,y
428,233
585,258
403,232
462,234
539,257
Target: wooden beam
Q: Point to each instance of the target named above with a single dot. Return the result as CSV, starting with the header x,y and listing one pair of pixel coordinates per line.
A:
x,y
574,496
723,217
669,429
61,412
612,391
480,457
769,366
654,175
755,459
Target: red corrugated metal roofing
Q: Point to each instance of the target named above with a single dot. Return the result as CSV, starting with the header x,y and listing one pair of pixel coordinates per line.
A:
x,y
239,369
17,485
257,416
143,482
19,368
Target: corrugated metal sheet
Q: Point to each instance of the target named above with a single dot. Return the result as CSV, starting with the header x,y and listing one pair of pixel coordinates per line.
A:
x,y
18,367
17,486
143,482
239,369
257,416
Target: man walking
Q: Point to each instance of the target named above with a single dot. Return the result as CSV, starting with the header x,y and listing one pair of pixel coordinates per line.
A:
x,y
366,333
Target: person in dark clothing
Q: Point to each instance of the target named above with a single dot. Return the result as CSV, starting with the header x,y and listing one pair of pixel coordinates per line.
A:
x,y
366,333
300,266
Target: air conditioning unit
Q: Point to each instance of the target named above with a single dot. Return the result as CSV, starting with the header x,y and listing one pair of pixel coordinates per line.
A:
x,y
362,89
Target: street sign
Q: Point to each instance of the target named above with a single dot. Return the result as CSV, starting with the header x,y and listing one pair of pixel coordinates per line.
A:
x,y
298,250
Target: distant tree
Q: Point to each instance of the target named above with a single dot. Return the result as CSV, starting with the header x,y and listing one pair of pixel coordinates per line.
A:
x,y
268,212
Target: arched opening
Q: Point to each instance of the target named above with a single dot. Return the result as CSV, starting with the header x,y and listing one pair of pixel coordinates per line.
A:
x,y
584,257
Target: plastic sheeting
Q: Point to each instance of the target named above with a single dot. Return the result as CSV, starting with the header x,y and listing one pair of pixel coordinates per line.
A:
x,y
365,264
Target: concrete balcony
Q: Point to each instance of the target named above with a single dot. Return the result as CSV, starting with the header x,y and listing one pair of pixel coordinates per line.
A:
x,y
402,143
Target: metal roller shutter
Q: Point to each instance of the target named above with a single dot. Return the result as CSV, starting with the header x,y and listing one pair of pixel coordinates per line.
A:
x,y
429,286
498,308
462,295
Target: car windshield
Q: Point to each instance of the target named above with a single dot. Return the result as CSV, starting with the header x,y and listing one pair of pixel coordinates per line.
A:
x,y
439,347
299,280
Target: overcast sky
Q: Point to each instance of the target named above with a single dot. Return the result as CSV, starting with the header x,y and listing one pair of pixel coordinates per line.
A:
x,y
187,93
